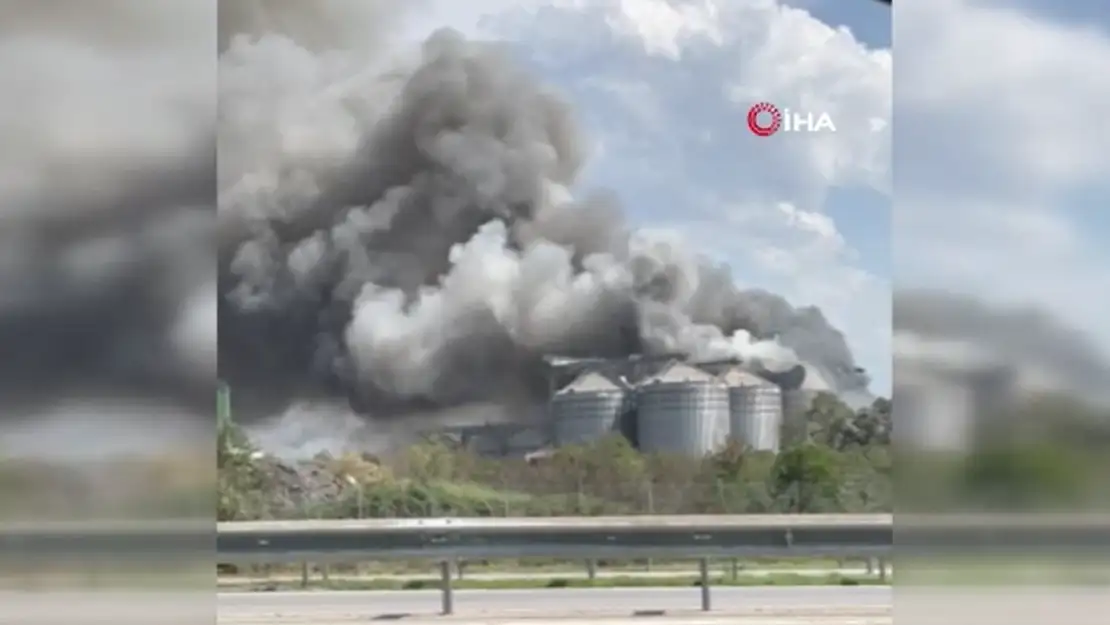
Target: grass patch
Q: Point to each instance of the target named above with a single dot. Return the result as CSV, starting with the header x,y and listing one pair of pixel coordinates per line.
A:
x,y
678,581
1015,576
554,567
1017,569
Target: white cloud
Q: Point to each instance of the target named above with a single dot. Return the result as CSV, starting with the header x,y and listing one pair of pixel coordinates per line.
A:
x,y
1019,99
786,56
813,222
743,52
663,28
984,204
669,84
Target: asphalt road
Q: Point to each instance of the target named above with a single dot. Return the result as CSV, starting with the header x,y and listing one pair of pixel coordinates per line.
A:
x,y
592,604
49,607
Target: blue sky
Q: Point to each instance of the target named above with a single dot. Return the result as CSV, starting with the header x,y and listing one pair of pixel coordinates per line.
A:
x,y
997,175
663,89
1001,177
999,172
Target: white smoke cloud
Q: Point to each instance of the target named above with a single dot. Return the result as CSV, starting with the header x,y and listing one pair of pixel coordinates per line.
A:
x,y
430,241
536,297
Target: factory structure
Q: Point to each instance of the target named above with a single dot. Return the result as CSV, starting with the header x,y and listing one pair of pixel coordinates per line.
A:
x,y
662,404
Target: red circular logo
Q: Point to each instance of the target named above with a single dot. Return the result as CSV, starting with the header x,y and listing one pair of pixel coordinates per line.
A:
x,y
771,127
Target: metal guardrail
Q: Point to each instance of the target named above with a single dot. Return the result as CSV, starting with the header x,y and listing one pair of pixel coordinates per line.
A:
x,y
572,538
587,538
627,537
109,539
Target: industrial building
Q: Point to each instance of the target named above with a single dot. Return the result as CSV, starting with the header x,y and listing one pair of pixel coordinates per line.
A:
x,y
662,404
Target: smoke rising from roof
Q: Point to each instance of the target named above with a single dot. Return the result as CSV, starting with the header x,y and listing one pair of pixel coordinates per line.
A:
x,y
412,239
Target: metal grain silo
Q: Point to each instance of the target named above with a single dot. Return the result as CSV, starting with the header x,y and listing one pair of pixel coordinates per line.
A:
x,y
755,410
795,402
683,410
795,406
589,408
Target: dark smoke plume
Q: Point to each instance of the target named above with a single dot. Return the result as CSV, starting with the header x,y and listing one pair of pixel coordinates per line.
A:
x,y
1022,338
107,206
407,240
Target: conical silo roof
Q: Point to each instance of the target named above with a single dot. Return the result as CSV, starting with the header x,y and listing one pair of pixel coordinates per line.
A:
x,y
736,377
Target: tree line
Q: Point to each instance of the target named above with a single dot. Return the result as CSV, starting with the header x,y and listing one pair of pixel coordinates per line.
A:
x,y
843,464
834,460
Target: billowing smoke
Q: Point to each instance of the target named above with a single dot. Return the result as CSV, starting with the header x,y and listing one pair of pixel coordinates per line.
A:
x,y
412,240
957,332
106,206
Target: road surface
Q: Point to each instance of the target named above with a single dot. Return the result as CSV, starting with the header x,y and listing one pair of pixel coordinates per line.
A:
x,y
609,605
114,607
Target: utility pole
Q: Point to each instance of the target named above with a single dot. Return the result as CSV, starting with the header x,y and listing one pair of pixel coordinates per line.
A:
x,y
223,404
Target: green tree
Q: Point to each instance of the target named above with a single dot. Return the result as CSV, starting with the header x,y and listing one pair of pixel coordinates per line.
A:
x,y
673,482
232,446
874,424
241,488
727,464
806,478
431,460
830,422
609,468
1025,476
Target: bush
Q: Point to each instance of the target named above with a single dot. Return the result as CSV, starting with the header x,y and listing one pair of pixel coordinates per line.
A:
x,y
608,477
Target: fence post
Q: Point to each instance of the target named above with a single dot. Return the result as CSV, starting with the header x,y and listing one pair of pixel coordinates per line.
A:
x,y
651,510
703,569
448,590
591,569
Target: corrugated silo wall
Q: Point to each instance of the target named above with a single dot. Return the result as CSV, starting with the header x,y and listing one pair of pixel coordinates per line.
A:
x,y
795,403
583,417
756,415
687,418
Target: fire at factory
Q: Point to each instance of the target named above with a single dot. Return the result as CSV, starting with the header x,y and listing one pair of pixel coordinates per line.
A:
x,y
663,404
409,247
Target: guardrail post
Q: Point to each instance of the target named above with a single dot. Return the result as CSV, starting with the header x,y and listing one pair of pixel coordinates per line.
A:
x,y
591,569
882,570
304,574
703,569
448,589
